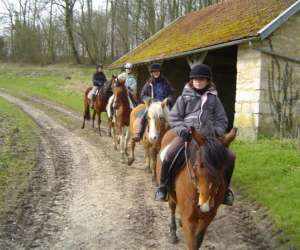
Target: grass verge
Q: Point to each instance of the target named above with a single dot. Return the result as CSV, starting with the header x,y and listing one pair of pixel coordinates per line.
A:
x,y
269,172
52,82
18,154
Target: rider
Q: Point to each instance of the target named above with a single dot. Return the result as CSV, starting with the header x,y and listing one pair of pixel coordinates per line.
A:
x,y
131,83
200,107
99,79
157,88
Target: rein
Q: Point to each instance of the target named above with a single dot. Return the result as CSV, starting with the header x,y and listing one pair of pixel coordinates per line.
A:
x,y
190,168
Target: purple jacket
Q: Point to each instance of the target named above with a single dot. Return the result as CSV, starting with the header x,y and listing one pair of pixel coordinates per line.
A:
x,y
203,112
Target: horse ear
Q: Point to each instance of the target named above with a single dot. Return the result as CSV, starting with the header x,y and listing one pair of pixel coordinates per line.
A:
x,y
164,103
197,137
229,137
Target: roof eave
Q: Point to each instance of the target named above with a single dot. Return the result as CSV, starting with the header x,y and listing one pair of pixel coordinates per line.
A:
x,y
190,52
278,21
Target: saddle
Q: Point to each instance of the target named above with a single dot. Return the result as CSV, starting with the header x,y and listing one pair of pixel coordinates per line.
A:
x,y
179,162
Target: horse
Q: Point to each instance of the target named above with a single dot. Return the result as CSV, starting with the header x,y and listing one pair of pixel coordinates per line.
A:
x,y
100,104
157,116
199,188
120,123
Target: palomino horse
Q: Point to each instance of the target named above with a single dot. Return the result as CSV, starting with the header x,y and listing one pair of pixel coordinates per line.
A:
x,y
100,105
121,117
157,125
199,187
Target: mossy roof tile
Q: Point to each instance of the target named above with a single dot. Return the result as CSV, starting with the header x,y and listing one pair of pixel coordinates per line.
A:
x,y
220,23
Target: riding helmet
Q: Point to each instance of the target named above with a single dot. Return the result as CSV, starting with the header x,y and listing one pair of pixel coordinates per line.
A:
x,y
128,66
155,67
200,71
99,66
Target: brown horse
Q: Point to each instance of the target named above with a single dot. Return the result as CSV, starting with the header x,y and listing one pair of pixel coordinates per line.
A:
x,y
199,187
157,116
121,118
100,104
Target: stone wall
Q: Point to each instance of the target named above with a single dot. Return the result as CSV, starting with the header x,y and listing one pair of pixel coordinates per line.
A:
x,y
253,113
285,41
247,92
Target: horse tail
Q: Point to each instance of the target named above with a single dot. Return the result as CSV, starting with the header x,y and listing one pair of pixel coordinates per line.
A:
x,y
215,155
87,114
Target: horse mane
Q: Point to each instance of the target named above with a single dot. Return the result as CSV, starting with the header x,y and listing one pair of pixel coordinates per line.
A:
x,y
214,155
157,110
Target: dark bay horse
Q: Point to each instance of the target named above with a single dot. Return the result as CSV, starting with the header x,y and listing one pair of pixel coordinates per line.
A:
x,y
199,187
100,104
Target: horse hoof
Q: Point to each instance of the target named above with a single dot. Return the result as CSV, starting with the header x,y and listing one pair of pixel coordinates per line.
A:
x,y
180,223
130,161
174,239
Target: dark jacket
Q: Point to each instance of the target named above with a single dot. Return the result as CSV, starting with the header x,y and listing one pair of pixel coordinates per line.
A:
x,y
203,112
99,79
158,89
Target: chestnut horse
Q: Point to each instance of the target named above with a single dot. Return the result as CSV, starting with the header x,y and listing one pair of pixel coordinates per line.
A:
x,y
157,116
199,187
120,122
100,104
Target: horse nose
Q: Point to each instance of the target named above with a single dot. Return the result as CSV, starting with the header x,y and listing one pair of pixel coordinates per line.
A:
x,y
204,208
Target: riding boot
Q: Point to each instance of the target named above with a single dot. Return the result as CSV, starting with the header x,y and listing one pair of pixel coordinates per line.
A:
x,y
143,124
229,196
162,191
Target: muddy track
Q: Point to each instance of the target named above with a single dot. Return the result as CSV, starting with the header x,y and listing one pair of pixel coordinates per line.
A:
x,y
82,197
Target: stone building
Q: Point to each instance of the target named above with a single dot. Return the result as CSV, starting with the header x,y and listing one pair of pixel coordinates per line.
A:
x,y
253,47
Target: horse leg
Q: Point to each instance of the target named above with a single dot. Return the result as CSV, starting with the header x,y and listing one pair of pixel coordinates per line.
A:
x,y
122,144
132,147
190,229
199,239
115,139
99,122
109,127
83,123
173,227
127,138
94,116
153,156
147,158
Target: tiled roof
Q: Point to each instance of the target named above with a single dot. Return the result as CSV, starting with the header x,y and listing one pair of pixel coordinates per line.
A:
x,y
220,23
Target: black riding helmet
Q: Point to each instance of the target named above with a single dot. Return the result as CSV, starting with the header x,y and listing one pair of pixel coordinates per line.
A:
x,y
200,71
99,66
155,67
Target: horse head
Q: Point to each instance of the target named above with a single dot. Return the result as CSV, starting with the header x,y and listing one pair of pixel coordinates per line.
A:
x,y
211,157
157,117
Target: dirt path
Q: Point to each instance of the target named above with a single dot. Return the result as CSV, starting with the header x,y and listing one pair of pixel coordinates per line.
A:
x,y
82,197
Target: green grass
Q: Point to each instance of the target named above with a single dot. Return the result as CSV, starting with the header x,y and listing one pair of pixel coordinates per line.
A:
x,y
269,172
49,82
18,154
